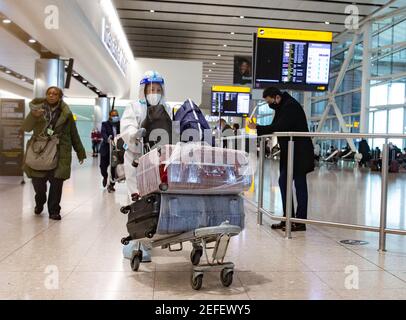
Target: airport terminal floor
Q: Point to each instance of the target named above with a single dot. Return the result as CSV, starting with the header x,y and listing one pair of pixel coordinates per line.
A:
x,y
84,247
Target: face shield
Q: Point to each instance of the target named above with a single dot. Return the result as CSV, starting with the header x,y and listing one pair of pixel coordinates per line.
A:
x,y
152,80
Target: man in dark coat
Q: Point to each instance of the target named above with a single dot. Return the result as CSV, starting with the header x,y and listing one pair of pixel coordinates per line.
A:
x,y
110,129
364,149
290,116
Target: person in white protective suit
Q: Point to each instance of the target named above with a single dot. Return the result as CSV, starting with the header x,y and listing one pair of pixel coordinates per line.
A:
x,y
151,95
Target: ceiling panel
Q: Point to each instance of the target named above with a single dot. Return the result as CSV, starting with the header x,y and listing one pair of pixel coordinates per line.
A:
x,y
199,29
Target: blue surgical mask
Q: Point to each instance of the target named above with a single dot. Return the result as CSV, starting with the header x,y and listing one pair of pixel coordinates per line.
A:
x,y
115,119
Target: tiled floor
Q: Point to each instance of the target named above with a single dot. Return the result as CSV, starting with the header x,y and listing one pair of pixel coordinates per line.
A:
x,y
80,257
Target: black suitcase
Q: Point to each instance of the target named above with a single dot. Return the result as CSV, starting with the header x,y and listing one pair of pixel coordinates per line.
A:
x,y
143,217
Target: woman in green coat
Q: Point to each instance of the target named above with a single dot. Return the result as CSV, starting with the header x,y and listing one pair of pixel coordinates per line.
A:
x,y
53,116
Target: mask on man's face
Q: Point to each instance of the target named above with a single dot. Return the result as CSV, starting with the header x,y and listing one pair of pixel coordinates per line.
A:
x,y
154,98
115,119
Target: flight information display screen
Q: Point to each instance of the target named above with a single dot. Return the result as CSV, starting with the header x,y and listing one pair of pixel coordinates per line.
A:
x,y
229,102
292,59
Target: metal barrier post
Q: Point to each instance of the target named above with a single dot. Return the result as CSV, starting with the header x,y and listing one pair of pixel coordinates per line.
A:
x,y
261,179
384,197
289,188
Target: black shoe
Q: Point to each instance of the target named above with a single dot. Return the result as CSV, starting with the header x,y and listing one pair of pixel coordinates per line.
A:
x,y
56,216
110,189
297,227
38,210
104,182
278,225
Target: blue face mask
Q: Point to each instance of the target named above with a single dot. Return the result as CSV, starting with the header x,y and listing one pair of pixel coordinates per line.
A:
x,y
115,119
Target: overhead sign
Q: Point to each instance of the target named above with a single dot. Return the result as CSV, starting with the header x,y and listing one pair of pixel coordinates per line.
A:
x,y
231,89
12,113
295,34
112,43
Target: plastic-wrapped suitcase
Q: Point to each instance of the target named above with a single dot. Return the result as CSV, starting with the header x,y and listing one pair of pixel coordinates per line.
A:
x,y
194,169
143,217
183,213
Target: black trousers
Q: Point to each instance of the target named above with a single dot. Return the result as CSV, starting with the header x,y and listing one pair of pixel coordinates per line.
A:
x,y
54,196
104,166
300,182
95,146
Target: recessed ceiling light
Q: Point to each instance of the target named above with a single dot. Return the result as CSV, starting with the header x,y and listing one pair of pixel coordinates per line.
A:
x,y
32,41
97,91
213,63
152,11
224,45
75,74
326,22
207,76
84,81
232,32
219,55
23,79
204,80
209,70
7,21
8,71
242,17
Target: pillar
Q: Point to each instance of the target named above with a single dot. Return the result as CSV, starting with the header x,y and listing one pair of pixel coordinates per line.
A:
x,y
48,72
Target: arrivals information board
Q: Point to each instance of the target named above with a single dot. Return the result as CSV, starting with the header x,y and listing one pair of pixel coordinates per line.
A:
x,y
12,113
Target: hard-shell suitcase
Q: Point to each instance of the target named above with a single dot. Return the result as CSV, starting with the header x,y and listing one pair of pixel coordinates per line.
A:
x,y
143,217
193,169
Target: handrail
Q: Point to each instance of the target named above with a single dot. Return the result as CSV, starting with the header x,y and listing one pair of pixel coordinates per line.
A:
x,y
382,229
338,135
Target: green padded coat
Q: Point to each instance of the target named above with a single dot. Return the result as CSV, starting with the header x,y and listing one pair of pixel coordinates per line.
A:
x,y
68,138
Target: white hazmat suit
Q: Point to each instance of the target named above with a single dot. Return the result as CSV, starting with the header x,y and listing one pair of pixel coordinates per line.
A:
x,y
133,116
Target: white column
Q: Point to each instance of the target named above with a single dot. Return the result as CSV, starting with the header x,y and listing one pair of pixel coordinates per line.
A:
x,y
101,111
307,104
48,72
366,74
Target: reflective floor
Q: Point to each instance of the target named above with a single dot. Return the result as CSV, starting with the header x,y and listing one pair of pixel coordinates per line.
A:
x,y
80,257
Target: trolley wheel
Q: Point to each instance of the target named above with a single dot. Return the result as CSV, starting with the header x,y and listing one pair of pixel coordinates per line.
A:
x,y
195,256
124,241
226,277
163,187
136,260
125,209
197,281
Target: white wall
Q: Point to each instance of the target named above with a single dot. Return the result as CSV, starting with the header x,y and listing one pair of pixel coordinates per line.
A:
x,y
183,79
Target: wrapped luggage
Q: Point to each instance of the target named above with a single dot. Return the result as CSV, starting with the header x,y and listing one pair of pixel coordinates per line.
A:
x,y
174,213
194,168
183,213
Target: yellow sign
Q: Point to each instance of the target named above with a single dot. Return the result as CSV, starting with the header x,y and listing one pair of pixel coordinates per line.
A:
x,y
294,34
231,89
356,124
75,117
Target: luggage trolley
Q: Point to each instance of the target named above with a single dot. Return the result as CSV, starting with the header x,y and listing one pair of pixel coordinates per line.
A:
x,y
117,150
200,238
217,236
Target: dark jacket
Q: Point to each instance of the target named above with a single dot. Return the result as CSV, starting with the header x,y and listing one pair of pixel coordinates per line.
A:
x,y
364,149
290,116
106,132
69,137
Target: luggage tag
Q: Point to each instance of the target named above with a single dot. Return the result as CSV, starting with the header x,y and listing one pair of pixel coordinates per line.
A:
x,y
50,132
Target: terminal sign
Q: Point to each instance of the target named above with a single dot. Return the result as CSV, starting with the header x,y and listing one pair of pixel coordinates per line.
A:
x,y
112,44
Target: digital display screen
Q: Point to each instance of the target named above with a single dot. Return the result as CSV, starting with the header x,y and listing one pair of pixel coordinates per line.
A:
x,y
230,103
297,64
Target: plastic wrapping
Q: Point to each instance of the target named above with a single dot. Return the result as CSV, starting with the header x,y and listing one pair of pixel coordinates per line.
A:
x,y
183,213
194,168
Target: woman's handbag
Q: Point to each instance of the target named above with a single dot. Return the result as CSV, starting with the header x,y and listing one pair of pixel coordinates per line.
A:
x,y
42,153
